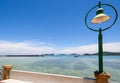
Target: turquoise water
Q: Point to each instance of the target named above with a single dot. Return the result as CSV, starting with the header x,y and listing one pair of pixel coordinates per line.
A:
x,y
82,66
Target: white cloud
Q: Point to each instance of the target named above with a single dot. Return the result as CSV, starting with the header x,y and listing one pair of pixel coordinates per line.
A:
x,y
24,48
80,49
30,47
111,47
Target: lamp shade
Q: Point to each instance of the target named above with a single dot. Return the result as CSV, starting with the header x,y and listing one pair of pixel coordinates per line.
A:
x,y
100,16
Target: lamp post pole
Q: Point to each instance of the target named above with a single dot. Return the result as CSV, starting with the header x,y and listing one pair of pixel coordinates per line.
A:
x,y
100,48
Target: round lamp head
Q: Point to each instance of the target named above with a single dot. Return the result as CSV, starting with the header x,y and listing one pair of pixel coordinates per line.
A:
x,y
100,16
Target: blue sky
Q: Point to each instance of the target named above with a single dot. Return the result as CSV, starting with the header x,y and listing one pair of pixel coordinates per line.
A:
x,y
50,25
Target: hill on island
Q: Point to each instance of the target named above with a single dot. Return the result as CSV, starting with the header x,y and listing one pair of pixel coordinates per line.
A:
x,y
106,53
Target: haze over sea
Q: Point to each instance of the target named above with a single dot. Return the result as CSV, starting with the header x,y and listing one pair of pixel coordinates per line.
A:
x,y
82,66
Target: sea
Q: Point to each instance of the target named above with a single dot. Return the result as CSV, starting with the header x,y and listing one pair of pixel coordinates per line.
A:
x,y
82,66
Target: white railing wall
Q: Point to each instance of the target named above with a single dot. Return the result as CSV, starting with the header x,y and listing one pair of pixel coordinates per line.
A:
x,y
47,78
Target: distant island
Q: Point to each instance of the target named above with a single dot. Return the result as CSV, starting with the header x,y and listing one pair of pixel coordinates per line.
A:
x,y
41,55
73,54
106,53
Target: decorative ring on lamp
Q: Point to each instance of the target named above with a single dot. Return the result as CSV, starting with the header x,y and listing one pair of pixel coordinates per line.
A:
x,y
97,30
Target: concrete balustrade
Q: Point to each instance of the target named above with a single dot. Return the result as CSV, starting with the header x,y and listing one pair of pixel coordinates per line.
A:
x,y
47,78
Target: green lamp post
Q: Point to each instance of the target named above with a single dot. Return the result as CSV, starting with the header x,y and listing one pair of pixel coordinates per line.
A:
x,y
100,18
